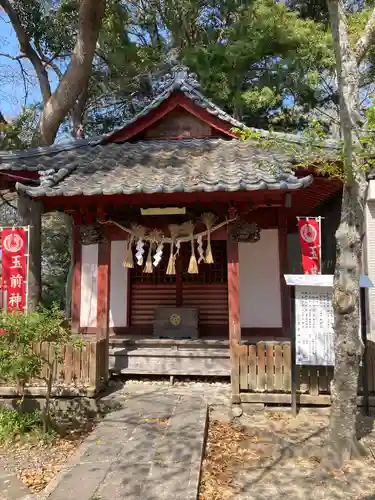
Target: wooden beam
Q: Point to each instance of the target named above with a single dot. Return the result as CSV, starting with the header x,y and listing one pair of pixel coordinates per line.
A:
x,y
155,199
76,281
104,275
283,268
129,297
285,398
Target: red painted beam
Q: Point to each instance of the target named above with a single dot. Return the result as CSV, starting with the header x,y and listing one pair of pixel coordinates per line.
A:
x,y
233,291
283,268
68,203
76,282
104,274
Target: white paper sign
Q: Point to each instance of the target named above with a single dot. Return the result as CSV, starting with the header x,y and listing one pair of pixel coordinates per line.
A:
x,y
314,326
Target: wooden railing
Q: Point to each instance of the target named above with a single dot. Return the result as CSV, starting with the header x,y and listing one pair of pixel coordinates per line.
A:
x,y
261,373
81,371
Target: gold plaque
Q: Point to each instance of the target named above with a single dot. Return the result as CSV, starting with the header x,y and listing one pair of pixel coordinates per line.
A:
x,y
175,319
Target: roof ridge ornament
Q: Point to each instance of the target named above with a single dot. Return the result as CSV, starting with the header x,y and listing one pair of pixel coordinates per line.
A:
x,y
177,77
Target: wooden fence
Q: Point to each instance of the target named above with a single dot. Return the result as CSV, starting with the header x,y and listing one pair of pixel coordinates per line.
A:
x,y
83,371
261,373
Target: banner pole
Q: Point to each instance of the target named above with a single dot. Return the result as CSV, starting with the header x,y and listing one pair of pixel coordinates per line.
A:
x,y
320,245
363,319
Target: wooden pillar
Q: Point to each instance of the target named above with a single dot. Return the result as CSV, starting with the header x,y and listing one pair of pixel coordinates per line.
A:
x,y
179,284
233,291
104,274
283,268
31,215
76,280
234,315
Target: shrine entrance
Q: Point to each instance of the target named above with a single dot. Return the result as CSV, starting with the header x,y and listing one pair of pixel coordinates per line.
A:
x,y
206,291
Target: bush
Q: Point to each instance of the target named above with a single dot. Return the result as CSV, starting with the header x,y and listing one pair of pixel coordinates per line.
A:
x,y
15,423
19,361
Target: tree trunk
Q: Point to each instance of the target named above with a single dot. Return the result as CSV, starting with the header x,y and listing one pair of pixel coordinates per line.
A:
x,y
348,345
76,77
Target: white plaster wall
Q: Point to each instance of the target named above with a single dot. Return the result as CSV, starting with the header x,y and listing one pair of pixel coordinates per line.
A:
x,y
89,285
118,302
371,190
260,297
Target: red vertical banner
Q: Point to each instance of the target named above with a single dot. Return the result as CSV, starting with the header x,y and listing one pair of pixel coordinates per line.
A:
x,y
14,267
309,237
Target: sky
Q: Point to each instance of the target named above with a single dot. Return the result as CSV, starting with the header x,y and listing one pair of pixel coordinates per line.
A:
x,y
12,91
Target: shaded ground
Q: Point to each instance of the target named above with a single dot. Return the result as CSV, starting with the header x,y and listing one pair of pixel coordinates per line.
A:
x,y
151,449
271,455
37,463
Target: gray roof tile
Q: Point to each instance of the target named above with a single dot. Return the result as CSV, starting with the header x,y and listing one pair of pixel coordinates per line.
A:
x,y
163,166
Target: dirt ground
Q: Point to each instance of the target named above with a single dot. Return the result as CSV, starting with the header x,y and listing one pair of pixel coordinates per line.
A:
x,y
36,462
271,455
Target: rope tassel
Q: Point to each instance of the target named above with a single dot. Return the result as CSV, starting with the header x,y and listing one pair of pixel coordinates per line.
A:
x,y
148,266
208,220
154,236
193,264
129,261
171,268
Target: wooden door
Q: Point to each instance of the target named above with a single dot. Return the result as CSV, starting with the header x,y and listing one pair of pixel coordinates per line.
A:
x,y
149,291
207,291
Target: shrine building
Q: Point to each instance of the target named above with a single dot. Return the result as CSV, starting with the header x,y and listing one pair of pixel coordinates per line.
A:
x,y
182,235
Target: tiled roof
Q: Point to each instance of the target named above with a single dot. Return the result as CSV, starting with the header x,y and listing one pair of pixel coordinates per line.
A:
x,y
189,165
179,79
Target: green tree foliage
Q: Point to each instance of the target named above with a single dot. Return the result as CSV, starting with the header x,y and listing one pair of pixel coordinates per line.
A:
x,y
17,134
264,63
56,258
258,60
267,63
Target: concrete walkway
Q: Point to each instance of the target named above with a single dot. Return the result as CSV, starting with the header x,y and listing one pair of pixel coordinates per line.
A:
x,y
150,450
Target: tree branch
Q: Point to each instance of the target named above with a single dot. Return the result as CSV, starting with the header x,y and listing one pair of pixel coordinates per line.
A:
x,y
367,39
13,58
24,79
48,62
28,50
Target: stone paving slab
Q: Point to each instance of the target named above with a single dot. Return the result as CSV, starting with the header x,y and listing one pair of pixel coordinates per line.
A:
x,y
151,449
11,488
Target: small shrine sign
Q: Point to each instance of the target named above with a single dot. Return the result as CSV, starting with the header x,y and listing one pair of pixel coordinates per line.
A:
x,y
314,318
314,326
